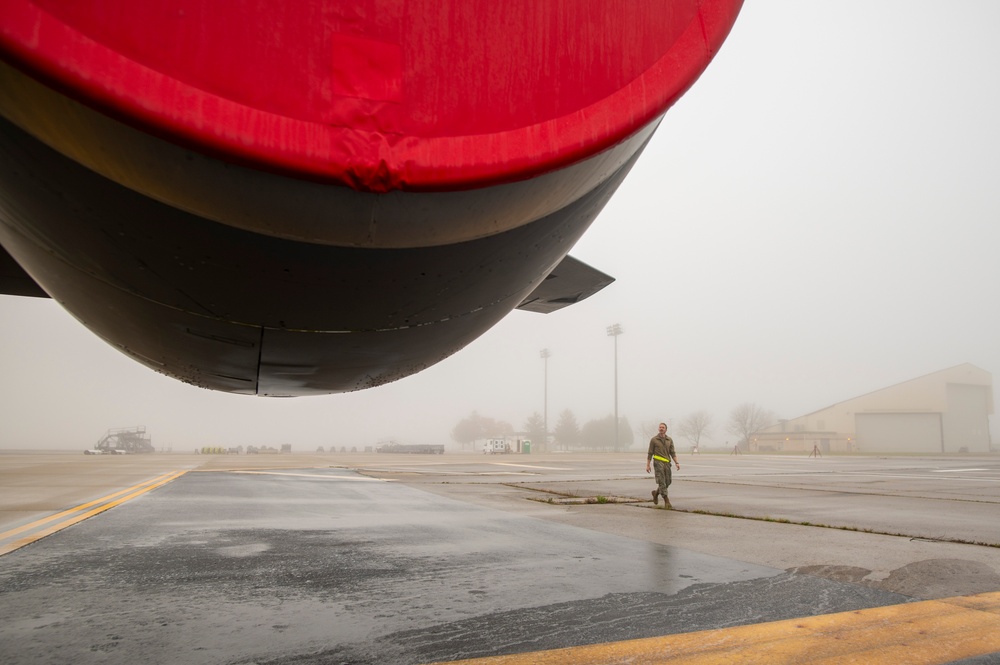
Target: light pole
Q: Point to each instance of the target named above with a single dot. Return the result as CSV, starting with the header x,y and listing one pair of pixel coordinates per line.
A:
x,y
545,353
614,331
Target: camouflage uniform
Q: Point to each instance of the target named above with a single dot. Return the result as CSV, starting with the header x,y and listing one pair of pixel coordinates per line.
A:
x,y
661,451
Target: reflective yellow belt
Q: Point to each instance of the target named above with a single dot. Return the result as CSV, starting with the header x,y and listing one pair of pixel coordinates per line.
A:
x,y
662,459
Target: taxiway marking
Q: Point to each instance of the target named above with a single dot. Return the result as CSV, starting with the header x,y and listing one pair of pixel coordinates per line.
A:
x,y
931,632
73,515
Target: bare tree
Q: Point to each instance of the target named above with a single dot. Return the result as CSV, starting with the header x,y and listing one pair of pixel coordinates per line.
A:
x,y
476,427
647,429
600,434
694,426
747,420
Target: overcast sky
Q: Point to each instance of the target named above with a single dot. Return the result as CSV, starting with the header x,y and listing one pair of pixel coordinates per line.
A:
x,y
817,218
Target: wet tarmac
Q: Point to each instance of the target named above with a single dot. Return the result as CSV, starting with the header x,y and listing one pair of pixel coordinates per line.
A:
x,y
396,560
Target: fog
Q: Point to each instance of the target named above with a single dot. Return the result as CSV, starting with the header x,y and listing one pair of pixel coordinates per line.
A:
x,y
817,218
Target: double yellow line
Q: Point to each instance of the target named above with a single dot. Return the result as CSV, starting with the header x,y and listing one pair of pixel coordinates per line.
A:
x,y
35,531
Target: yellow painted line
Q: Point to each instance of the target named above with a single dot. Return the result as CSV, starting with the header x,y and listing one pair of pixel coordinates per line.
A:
x,y
33,525
930,632
73,515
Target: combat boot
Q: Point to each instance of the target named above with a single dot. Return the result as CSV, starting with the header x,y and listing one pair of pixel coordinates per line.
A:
x,y
666,502
656,497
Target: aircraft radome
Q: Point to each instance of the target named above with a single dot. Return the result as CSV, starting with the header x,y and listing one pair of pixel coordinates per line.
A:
x,y
322,196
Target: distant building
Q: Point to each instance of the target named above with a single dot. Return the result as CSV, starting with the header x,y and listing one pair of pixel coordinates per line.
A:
x,y
943,412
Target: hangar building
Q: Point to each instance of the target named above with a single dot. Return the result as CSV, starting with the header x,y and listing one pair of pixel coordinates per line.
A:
x,y
943,412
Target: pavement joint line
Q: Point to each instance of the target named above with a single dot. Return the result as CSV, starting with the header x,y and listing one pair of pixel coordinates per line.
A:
x,y
74,515
464,474
639,502
930,632
226,469
530,466
875,532
314,476
723,480
573,499
540,490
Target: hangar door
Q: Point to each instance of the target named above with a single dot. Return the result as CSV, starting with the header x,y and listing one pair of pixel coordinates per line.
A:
x,y
898,432
966,423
